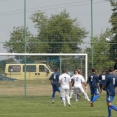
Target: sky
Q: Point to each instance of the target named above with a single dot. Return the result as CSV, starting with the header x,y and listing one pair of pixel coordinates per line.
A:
x,y
12,15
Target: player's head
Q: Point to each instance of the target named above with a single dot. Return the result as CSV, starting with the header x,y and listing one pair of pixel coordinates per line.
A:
x,y
64,70
107,72
75,72
103,71
56,69
110,69
79,71
93,70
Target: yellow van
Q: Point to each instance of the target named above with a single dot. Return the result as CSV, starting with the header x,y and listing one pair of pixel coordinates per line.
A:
x,y
33,71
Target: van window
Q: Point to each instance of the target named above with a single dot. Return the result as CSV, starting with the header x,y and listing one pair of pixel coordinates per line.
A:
x,y
42,68
14,68
29,68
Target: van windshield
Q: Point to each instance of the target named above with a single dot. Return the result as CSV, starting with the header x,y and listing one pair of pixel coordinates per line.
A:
x,y
49,68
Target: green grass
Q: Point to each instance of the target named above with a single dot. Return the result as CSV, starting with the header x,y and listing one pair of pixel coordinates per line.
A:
x,y
42,107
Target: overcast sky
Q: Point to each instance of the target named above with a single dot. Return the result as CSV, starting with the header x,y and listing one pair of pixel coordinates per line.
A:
x,y
12,14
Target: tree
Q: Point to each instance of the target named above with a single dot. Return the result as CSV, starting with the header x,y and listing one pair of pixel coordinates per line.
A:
x,y
101,51
59,33
113,21
3,64
16,43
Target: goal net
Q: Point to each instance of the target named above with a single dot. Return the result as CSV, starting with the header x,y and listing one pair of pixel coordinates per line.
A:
x,y
28,73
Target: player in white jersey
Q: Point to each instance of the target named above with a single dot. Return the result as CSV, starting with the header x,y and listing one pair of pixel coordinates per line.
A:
x,y
72,90
65,87
78,81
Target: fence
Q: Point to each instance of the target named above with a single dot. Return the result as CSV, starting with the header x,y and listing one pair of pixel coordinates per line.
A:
x,y
55,27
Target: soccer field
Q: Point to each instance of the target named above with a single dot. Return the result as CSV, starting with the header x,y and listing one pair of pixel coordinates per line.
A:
x,y
42,107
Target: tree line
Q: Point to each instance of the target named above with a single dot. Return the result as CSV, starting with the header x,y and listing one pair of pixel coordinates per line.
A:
x,y
59,33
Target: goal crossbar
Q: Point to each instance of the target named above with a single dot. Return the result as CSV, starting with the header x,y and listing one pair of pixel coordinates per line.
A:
x,y
44,54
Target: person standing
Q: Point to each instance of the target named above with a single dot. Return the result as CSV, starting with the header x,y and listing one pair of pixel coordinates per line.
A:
x,y
78,81
115,67
65,86
102,78
110,85
93,81
72,82
54,78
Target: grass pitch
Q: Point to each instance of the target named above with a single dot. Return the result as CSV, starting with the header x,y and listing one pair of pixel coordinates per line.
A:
x,y
42,107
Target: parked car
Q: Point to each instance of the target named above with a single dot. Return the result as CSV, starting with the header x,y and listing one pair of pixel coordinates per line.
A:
x,y
5,78
70,73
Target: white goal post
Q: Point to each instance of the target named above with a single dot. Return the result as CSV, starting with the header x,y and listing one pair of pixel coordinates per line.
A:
x,y
53,54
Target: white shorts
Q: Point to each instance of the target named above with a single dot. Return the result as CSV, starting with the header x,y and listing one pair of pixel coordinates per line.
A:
x,y
64,92
79,88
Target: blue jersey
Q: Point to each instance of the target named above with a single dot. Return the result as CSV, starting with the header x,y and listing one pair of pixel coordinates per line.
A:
x,y
93,79
55,78
110,84
102,78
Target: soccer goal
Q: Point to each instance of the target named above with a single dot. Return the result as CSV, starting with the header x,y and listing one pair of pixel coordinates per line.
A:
x,y
30,72
12,63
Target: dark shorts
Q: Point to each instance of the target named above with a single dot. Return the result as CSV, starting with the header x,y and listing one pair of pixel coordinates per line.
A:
x,y
109,98
94,91
55,88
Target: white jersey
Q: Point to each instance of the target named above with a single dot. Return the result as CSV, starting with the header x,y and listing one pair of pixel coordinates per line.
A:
x,y
78,80
65,80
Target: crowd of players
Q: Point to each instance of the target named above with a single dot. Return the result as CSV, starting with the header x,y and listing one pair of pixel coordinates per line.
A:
x,y
67,85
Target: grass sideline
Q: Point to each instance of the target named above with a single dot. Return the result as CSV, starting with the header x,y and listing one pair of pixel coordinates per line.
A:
x,y
42,107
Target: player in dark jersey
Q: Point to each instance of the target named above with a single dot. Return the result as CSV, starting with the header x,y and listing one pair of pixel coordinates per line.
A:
x,y
102,78
93,81
110,85
54,78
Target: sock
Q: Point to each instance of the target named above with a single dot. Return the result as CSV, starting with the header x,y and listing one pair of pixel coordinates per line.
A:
x,y
71,93
109,111
86,96
53,95
61,98
76,96
68,99
91,98
114,107
64,102
95,98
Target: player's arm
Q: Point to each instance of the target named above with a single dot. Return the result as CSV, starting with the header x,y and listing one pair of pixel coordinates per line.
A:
x,y
83,81
51,77
70,85
59,81
72,80
103,86
98,86
87,82
97,80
